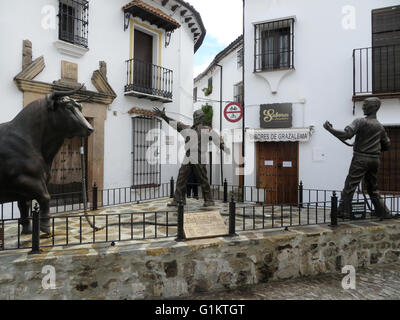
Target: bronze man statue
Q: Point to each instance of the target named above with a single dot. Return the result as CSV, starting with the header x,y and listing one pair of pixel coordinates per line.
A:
x,y
190,164
371,139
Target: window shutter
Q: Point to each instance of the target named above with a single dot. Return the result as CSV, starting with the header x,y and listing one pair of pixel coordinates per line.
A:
x,y
386,49
386,26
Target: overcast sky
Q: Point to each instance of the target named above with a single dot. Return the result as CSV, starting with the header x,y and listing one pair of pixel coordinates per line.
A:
x,y
223,21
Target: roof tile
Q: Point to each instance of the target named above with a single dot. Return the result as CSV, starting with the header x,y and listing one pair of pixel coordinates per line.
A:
x,y
150,9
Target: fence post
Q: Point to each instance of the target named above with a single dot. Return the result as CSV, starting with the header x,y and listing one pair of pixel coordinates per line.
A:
x,y
225,191
301,187
171,186
334,212
35,230
94,197
232,217
181,234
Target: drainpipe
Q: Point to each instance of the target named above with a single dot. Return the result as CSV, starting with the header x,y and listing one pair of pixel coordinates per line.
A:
x,y
220,124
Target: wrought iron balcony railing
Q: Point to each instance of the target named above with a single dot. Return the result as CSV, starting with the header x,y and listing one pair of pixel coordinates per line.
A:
x,y
376,71
146,80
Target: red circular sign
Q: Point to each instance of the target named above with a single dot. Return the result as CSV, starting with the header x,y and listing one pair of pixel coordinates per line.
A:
x,y
233,112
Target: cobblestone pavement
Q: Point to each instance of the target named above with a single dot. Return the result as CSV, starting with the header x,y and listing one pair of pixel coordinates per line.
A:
x,y
372,283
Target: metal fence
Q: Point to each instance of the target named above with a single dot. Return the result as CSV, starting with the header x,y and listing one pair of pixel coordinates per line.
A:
x,y
79,229
101,198
97,198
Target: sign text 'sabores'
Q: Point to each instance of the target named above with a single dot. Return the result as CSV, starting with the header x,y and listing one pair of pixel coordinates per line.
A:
x,y
278,115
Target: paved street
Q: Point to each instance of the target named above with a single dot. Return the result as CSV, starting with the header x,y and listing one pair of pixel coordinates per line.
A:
x,y
372,283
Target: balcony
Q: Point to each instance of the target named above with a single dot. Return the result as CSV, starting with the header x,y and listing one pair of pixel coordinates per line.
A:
x,y
376,72
148,81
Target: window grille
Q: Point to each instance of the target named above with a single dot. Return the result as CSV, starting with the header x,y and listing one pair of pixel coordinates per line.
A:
x,y
146,152
195,94
274,45
240,58
74,21
238,93
210,83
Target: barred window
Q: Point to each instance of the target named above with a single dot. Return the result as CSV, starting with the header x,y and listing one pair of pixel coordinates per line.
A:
x,y
238,93
274,45
240,58
73,21
195,94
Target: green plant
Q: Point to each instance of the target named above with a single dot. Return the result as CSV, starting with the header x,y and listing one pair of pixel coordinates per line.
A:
x,y
208,114
207,91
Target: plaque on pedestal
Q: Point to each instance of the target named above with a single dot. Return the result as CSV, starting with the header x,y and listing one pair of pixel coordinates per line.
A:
x,y
204,225
359,210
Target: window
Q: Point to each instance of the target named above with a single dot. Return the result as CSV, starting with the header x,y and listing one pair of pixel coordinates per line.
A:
x,y
240,58
210,83
238,93
274,45
389,169
195,94
73,21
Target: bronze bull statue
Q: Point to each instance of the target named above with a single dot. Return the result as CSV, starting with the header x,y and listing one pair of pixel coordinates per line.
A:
x,y
28,145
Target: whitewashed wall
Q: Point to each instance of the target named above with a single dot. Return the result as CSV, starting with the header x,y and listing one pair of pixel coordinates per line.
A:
x,y
231,75
21,19
323,79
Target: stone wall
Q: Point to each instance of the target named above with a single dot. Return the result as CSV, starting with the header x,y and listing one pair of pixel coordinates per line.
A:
x,y
170,269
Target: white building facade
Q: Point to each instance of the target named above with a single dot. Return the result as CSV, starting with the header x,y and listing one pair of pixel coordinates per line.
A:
x,y
311,61
131,56
225,69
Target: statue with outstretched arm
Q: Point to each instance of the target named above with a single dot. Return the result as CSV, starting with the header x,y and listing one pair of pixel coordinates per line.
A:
x,y
370,140
193,164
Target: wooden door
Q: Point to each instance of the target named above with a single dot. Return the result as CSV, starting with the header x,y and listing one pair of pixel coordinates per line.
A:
x,y
143,61
277,171
66,171
389,170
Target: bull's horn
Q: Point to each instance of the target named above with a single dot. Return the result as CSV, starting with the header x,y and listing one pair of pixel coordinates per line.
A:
x,y
59,94
88,99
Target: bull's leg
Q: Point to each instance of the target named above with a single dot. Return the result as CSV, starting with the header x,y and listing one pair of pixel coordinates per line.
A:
x,y
36,189
44,203
24,221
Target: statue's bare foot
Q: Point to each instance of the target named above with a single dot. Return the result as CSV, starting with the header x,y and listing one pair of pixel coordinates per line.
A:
x,y
209,203
174,204
26,228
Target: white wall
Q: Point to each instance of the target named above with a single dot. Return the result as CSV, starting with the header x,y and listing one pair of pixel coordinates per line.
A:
x,y
323,76
231,75
21,19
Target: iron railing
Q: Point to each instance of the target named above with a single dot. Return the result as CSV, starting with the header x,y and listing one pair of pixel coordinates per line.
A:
x,y
97,198
244,213
149,79
376,70
70,230
103,198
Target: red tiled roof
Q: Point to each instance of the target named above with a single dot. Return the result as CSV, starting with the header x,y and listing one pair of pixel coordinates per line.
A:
x,y
142,112
151,10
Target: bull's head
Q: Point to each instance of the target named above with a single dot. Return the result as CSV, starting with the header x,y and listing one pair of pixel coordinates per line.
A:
x,y
65,115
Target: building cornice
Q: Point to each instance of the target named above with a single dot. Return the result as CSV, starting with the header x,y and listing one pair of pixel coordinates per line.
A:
x,y
39,87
